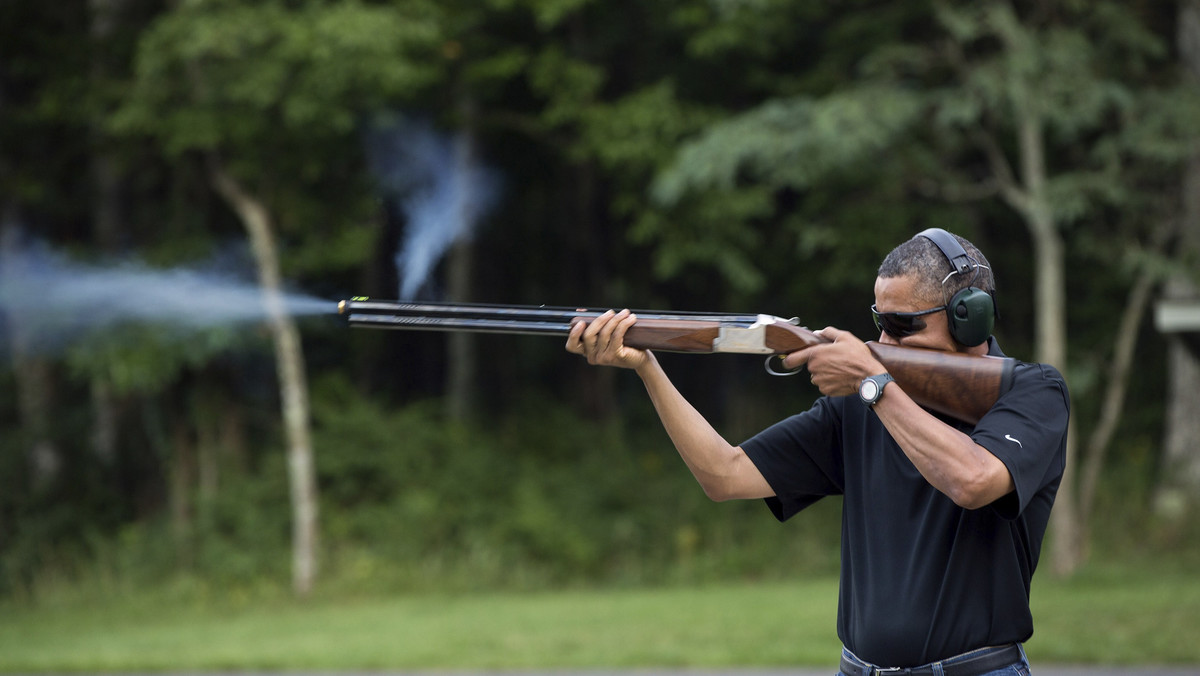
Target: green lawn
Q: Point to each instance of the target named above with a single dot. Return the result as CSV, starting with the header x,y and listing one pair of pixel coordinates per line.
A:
x,y
1152,620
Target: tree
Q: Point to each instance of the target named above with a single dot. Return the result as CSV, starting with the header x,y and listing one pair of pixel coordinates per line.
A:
x,y
251,90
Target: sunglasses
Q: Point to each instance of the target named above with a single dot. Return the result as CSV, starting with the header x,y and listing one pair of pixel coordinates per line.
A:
x,y
901,324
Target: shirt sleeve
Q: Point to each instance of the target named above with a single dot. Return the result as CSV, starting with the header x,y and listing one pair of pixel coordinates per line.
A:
x,y
1027,430
800,457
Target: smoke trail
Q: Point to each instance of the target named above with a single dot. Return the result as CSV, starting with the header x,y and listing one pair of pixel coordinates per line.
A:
x,y
53,301
437,185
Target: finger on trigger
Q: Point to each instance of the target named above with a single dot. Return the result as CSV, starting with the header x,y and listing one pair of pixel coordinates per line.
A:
x,y
796,360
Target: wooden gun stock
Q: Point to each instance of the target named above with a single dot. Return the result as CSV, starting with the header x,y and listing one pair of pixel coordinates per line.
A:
x,y
961,386
957,385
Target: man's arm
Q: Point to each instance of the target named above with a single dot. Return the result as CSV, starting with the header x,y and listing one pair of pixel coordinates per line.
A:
x,y
723,470
949,460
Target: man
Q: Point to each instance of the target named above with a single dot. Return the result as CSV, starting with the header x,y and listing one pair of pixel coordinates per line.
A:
x,y
942,522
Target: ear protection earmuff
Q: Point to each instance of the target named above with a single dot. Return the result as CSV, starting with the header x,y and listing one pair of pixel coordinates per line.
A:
x,y
970,313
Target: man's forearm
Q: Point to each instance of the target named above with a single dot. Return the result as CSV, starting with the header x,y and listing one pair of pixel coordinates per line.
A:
x,y
722,470
948,459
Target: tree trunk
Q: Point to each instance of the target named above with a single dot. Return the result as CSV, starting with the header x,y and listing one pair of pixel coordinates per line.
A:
x,y
461,371
1050,308
33,378
589,261
1067,545
105,173
293,387
219,443
1178,493
107,217
1119,371
105,420
598,387
181,473
461,376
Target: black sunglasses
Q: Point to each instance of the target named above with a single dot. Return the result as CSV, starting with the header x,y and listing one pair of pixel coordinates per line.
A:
x,y
901,324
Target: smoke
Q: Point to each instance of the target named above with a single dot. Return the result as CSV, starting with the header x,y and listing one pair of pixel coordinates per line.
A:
x,y
49,301
437,185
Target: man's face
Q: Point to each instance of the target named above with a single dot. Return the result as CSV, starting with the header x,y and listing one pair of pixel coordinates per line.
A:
x,y
897,294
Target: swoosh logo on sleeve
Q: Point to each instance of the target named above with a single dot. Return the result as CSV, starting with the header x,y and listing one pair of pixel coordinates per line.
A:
x,y
1015,441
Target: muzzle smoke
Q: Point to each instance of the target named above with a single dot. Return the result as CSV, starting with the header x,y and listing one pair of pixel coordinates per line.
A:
x,y
439,188
50,301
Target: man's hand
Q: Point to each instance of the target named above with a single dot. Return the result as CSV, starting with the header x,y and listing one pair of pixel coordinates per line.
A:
x,y
837,368
602,341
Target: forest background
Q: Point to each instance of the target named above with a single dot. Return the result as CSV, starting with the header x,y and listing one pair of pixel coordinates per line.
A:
x,y
188,187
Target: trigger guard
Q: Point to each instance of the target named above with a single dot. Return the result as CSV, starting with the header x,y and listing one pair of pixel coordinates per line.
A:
x,y
776,372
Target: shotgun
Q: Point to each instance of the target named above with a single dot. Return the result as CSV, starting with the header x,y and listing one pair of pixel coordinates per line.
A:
x,y
961,386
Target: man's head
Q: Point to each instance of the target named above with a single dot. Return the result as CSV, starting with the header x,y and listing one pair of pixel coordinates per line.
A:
x,y
932,282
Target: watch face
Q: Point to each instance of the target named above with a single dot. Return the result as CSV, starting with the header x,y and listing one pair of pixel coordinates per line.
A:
x,y
869,390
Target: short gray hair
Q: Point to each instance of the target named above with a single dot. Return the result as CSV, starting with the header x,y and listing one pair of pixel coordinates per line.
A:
x,y
919,257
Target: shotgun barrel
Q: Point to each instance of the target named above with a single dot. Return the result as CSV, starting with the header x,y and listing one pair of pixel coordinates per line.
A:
x,y
484,318
672,331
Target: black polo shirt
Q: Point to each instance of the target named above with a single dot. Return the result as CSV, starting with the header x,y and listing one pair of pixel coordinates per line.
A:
x,y
923,579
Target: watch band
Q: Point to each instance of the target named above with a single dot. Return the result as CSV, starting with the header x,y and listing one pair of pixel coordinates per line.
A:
x,y
871,388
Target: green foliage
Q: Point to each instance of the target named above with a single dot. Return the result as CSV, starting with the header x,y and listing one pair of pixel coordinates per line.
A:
x,y
550,13
142,358
791,143
710,234
233,75
638,132
538,499
634,138
411,502
568,84
727,181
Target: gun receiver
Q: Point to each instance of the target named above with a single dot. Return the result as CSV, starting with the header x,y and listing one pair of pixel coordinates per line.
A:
x,y
957,385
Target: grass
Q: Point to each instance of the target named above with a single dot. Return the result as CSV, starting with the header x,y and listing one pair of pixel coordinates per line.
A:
x,y
769,624
1107,617
1096,618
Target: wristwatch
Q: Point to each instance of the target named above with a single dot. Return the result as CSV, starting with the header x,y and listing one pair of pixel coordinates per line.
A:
x,y
871,389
